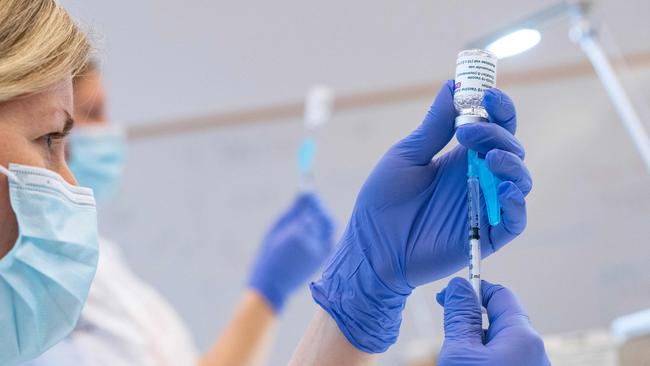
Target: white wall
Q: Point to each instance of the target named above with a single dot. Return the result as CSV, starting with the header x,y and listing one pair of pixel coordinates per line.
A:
x,y
194,207
166,59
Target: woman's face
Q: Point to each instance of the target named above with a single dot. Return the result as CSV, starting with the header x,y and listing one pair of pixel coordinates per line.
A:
x,y
33,132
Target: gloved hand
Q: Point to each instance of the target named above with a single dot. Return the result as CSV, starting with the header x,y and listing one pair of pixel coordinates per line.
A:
x,y
509,340
409,224
294,248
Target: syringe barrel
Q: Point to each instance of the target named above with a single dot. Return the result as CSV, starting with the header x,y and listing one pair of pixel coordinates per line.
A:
x,y
474,226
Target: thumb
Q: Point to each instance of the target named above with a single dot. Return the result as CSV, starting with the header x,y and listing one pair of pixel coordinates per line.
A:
x,y
435,131
503,308
463,321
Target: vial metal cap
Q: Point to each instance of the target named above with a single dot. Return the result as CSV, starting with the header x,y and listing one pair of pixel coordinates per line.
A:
x,y
477,51
469,118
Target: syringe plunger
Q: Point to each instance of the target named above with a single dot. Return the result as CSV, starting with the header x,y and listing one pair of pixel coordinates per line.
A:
x,y
318,106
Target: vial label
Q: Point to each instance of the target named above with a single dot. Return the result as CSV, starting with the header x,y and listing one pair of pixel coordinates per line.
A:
x,y
475,73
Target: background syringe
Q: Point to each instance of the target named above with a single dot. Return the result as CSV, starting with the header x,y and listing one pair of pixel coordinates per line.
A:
x,y
318,110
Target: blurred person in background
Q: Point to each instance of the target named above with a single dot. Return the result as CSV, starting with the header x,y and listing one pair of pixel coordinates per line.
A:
x,y
126,321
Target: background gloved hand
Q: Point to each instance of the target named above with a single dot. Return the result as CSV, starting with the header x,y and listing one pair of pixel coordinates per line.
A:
x,y
295,247
510,339
409,224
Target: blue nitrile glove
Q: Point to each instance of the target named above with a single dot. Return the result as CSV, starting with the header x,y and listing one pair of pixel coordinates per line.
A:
x,y
510,339
295,247
409,224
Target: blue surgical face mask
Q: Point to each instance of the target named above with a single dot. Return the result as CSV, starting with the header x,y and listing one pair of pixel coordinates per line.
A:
x,y
45,277
97,156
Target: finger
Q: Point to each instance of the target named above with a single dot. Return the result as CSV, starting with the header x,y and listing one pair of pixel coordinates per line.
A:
x,y
508,167
513,215
463,320
313,236
303,202
483,137
326,231
302,210
435,131
316,212
290,214
501,109
503,307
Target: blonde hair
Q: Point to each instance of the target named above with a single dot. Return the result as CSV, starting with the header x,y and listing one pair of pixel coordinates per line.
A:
x,y
91,66
40,45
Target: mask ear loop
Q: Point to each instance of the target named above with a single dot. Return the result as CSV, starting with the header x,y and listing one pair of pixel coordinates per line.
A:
x,y
10,175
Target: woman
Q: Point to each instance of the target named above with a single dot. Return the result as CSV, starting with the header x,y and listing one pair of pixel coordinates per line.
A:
x,y
48,230
47,269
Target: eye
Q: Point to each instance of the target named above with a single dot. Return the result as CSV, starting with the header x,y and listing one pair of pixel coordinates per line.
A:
x,y
53,138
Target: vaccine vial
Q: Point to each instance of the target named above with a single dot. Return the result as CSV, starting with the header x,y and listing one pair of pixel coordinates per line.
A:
x,y
476,71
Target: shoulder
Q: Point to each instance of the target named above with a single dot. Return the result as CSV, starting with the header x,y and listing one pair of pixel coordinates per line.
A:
x,y
62,353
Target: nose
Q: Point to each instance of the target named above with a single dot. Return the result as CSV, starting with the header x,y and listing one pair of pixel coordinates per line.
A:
x,y
66,173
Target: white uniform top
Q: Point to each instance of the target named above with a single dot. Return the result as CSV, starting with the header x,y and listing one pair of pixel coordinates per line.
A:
x,y
124,322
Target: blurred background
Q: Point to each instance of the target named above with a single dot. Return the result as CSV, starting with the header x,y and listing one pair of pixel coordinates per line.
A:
x,y
211,92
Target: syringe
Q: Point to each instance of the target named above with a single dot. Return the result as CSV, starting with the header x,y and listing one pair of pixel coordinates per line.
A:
x,y
468,100
318,110
474,220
